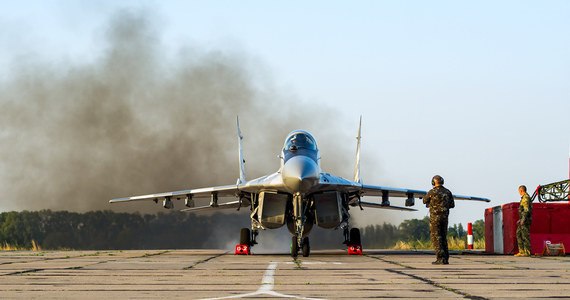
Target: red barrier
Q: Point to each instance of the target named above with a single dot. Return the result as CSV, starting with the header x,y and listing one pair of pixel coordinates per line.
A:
x,y
469,236
489,231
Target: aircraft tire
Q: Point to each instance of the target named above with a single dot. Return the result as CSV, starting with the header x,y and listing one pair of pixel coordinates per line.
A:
x,y
294,246
306,247
245,237
355,236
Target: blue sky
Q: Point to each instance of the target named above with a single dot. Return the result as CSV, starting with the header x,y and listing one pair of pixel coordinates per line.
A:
x,y
475,91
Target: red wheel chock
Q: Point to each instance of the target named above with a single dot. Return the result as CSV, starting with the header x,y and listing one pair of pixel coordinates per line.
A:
x,y
354,249
243,250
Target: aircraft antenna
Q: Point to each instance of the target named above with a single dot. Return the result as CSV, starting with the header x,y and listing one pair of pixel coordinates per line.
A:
x,y
357,164
241,178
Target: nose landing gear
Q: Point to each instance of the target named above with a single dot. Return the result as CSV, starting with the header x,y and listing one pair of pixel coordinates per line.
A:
x,y
304,247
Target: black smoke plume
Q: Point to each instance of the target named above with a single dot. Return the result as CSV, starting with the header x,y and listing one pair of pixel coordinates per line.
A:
x,y
135,120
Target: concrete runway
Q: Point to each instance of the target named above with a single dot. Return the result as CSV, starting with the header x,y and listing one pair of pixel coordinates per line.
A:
x,y
202,274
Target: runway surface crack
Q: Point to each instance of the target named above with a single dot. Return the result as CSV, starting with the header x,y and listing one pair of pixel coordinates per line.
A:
x,y
433,283
155,254
203,261
428,281
390,262
23,272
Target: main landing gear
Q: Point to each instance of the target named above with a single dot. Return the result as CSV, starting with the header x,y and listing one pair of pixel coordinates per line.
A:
x,y
354,244
305,246
246,241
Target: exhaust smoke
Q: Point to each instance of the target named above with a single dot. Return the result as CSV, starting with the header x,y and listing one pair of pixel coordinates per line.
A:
x,y
136,121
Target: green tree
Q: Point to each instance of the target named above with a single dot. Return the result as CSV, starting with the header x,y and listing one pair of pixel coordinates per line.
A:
x,y
456,231
380,236
415,229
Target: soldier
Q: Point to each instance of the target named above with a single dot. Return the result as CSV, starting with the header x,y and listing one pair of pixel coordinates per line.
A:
x,y
525,219
439,200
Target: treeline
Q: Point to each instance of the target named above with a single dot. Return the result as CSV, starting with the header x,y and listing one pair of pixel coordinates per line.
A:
x,y
101,230
106,230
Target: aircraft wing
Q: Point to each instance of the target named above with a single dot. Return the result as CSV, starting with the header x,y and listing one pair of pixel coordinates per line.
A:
x,y
378,205
232,204
222,191
373,190
378,191
459,197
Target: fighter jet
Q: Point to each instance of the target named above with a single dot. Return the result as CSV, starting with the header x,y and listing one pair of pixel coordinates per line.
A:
x,y
299,194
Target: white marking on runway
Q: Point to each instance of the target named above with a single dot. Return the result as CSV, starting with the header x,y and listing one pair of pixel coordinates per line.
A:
x,y
267,283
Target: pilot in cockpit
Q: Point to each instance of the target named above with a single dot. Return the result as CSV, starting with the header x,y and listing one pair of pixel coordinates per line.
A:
x,y
300,140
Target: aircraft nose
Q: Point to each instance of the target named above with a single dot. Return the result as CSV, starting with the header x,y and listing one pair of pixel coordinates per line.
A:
x,y
300,173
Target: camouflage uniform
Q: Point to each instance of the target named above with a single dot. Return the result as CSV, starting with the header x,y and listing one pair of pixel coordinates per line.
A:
x,y
439,200
525,218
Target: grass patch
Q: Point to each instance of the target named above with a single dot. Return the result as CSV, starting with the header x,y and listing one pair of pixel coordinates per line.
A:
x,y
7,247
453,243
412,245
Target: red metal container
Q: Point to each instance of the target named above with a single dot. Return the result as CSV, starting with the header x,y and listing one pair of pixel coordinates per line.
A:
x,y
510,218
550,222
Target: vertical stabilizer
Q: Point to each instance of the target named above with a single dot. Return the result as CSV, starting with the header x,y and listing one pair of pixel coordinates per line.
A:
x,y
357,164
241,178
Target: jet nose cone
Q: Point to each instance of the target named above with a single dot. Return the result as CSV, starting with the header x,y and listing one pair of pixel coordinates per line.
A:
x,y
300,173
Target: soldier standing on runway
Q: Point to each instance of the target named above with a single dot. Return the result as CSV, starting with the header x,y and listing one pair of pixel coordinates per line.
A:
x,y
439,200
525,219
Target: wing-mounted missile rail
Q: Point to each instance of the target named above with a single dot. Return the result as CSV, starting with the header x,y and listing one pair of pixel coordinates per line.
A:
x,y
552,192
410,200
214,199
385,198
167,203
188,201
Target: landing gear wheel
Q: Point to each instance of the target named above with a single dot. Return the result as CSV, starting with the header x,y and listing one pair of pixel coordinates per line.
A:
x,y
355,236
294,246
245,237
306,248
354,247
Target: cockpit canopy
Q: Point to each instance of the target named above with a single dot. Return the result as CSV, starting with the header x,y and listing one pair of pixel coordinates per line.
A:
x,y
300,140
